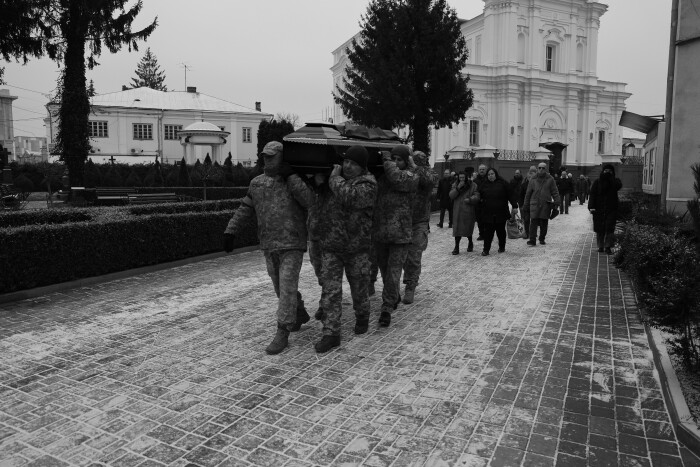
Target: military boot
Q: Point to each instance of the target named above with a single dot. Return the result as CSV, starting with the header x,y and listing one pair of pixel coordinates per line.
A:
x,y
320,315
327,343
385,318
280,342
408,293
302,315
361,324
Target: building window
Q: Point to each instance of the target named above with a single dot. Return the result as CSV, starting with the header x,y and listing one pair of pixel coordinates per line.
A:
x,y
98,129
473,132
601,141
247,135
143,131
549,58
170,131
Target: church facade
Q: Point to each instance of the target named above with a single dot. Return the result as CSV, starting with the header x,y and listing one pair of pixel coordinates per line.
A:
x,y
533,70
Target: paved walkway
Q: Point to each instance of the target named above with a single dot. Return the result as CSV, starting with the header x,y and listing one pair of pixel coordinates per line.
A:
x,y
533,357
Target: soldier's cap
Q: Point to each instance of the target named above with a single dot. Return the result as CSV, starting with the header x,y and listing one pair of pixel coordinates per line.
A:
x,y
358,154
272,148
420,158
402,151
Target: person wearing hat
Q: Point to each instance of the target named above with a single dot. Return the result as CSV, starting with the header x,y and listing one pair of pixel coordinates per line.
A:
x,y
345,223
392,229
542,199
279,199
603,204
427,178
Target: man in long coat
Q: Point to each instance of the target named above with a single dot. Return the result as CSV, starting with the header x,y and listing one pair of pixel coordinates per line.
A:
x,y
443,196
392,229
541,193
279,198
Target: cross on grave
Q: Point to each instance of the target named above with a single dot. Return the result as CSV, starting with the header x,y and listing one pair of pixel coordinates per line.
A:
x,y
112,159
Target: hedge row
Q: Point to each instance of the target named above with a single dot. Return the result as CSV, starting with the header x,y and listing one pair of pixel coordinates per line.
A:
x,y
39,255
213,193
42,216
664,265
194,206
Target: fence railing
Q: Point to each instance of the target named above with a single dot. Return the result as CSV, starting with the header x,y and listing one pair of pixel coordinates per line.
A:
x,y
516,155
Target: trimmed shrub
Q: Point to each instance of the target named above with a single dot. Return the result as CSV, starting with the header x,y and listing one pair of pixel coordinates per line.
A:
x,y
104,245
132,180
42,216
23,184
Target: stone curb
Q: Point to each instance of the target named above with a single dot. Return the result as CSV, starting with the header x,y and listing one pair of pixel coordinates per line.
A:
x,y
60,287
686,429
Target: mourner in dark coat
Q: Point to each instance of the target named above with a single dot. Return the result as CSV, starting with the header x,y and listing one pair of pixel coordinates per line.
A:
x,y
466,197
582,189
495,194
565,188
525,210
443,196
603,204
541,195
480,178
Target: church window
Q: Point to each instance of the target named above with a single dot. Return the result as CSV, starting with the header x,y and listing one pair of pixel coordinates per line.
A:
x,y
473,132
98,129
170,131
143,131
601,141
550,57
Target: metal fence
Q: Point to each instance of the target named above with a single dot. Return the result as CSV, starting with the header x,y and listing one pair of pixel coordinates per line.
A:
x,y
516,155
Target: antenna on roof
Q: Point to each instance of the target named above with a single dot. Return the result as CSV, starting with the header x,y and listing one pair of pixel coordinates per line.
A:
x,y
186,67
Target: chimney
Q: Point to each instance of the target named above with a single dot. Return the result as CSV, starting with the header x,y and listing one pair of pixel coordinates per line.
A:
x,y
191,89
257,107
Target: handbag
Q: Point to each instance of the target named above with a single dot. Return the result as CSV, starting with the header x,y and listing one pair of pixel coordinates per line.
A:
x,y
515,227
554,212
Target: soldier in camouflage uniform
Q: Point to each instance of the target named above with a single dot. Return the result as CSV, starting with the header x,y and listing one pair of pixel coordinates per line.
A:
x,y
313,225
279,198
345,213
392,230
421,224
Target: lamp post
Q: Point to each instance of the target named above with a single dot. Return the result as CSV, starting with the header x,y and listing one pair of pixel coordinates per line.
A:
x,y
471,153
496,153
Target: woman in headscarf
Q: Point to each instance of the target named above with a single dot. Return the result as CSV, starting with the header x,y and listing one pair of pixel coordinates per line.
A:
x,y
465,199
603,204
495,193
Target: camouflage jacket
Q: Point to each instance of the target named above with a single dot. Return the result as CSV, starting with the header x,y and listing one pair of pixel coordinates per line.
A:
x,y
345,214
427,178
281,211
393,212
313,223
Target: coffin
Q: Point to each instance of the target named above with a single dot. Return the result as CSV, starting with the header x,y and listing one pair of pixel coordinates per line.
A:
x,y
317,146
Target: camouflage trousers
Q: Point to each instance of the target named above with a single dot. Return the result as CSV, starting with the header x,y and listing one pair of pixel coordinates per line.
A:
x,y
373,266
356,268
419,243
315,258
283,267
390,259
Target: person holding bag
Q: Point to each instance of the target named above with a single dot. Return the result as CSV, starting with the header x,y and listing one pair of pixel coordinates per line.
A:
x,y
495,194
465,196
542,198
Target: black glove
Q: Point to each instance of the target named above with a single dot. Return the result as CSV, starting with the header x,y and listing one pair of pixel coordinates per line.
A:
x,y
285,170
228,242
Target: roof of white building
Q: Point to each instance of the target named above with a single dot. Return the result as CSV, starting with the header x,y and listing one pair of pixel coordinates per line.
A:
x,y
632,134
147,98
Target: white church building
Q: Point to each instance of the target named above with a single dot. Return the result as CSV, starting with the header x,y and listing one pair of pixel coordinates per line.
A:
x,y
136,125
533,71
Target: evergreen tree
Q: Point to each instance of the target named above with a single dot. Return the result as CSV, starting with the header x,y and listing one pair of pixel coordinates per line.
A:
x,y
240,176
148,73
274,130
406,68
72,33
91,89
183,177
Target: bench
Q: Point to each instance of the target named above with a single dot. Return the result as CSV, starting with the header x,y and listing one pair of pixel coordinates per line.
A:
x,y
10,198
144,198
104,195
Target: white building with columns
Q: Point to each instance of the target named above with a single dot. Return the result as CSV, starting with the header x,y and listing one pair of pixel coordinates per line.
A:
x,y
533,70
135,125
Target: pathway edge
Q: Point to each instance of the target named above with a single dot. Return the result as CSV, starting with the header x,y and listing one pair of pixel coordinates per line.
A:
x,y
86,281
686,430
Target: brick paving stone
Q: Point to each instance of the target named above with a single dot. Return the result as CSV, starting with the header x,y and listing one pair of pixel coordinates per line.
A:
x,y
534,357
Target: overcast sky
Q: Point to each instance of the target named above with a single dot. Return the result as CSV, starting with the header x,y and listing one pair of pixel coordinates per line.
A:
x,y
279,52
